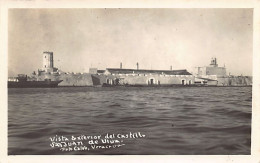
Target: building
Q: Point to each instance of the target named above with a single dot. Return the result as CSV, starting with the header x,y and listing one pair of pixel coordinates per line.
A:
x,y
142,77
215,75
212,69
208,75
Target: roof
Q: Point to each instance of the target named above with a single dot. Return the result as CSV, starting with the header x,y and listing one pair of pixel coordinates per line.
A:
x,y
143,71
206,79
100,71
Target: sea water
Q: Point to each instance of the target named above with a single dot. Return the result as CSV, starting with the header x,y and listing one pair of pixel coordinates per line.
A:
x,y
164,121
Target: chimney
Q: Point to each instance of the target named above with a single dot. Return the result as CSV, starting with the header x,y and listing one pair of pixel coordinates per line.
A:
x,y
137,66
121,65
171,68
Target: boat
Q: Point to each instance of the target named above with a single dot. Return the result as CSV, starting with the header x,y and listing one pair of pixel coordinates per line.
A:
x,y
22,82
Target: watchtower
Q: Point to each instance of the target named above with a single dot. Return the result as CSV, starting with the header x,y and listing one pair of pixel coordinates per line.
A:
x,y
48,66
47,60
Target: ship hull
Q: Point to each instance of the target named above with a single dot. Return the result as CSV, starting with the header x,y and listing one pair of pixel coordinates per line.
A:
x,y
33,84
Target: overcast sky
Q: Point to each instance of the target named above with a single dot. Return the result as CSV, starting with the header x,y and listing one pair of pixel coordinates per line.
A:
x,y
155,38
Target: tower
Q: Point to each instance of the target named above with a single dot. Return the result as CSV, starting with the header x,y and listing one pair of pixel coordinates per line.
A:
x,y
214,62
48,61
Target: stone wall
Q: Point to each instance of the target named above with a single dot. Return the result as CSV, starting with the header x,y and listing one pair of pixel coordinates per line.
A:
x,y
87,79
154,79
71,79
84,79
98,79
159,80
235,81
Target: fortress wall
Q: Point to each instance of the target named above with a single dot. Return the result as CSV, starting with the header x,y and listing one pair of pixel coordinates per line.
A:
x,y
87,79
163,80
98,79
69,79
76,80
143,80
135,80
235,81
168,80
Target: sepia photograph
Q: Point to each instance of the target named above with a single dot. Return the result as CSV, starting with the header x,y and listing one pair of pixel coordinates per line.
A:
x,y
130,81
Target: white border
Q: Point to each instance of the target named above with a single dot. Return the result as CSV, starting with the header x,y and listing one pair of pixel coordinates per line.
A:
x,y
255,147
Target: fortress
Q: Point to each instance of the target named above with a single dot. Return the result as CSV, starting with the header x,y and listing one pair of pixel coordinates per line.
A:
x,y
208,75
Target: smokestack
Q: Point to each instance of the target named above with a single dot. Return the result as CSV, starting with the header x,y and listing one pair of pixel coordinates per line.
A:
x,y
171,68
137,66
121,65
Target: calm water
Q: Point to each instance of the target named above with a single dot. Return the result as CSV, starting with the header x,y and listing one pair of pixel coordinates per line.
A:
x,y
176,121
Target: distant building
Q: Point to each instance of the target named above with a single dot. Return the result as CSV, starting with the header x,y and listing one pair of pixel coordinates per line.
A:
x,y
212,69
215,75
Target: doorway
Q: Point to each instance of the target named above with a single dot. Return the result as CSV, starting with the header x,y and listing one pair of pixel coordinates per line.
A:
x,y
183,82
151,82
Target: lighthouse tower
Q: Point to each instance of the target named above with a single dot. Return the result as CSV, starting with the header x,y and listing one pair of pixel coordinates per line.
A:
x,y
48,61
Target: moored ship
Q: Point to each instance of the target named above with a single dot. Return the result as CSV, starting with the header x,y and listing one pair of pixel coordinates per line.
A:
x,y
22,82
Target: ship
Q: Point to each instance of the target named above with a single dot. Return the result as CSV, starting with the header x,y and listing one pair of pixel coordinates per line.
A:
x,y
22,82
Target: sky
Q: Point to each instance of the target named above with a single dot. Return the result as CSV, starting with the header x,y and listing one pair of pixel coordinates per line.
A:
x,y
155,38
